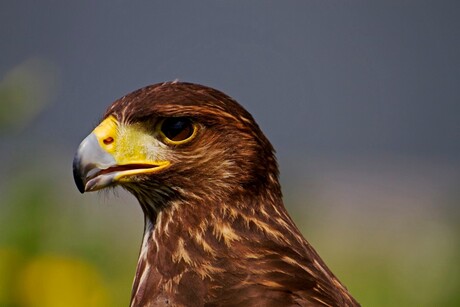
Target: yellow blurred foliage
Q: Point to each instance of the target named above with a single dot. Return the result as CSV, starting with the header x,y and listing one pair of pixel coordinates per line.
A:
x,y
56,281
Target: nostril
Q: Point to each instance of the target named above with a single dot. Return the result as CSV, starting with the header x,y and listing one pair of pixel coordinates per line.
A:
x,y
108,140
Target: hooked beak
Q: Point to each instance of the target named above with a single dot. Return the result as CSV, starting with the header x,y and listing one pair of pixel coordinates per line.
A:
x,y
89,163
100,160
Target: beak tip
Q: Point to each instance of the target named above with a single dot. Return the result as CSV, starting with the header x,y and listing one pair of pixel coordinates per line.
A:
x,y
77,175
80,189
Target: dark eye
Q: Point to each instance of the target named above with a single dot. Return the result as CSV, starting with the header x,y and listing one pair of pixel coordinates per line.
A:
x,y
177,129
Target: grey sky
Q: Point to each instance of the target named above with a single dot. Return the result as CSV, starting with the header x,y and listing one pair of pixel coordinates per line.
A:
x,y
355,77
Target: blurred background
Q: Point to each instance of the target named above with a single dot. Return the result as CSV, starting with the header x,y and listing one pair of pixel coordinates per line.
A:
x,y
361,99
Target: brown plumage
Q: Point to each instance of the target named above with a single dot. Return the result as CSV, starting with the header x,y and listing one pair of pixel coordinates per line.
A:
x,y
216,230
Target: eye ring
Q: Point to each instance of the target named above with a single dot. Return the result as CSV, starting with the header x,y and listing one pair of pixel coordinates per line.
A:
x,y
177,130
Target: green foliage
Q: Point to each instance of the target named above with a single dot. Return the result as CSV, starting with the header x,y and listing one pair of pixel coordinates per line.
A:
x,y
57,245
50,254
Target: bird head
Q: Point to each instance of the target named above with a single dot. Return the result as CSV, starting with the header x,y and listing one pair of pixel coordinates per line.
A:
x,y
206,176
175,140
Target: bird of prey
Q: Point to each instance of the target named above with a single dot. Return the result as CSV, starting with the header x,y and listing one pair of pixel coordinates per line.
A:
x,y
216,231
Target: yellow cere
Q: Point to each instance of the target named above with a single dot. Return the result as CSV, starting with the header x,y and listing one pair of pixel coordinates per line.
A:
x,y
107,129
129,144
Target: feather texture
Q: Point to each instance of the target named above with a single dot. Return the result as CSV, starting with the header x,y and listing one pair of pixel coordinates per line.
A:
x,y
216,230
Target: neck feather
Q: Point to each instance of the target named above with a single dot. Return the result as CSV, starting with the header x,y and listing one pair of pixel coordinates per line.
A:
x,y
203,235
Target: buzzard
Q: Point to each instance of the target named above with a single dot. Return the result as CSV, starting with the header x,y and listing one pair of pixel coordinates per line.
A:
x,y
216,231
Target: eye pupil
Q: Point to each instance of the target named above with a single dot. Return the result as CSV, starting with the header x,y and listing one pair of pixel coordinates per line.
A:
x,y
177,129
